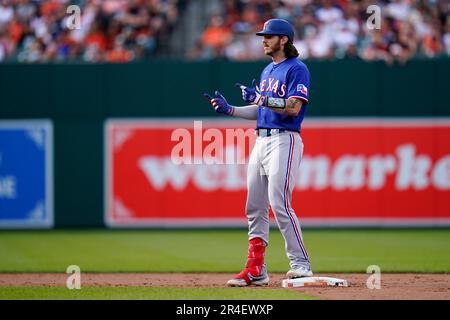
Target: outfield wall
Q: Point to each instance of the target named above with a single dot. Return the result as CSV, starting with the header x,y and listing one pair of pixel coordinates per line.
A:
x,y
78,99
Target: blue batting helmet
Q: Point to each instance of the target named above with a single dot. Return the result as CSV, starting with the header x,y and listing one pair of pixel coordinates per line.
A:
x,y
277,27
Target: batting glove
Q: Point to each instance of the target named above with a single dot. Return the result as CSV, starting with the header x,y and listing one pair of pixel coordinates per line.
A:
x,y
220,104
251,95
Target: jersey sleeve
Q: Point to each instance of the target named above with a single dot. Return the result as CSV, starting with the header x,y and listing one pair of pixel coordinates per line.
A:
x,y
298,83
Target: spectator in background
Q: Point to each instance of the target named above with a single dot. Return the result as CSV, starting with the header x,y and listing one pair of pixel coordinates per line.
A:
x,y
119,53
6,14
431,44
377,48
446,37
398,10
328,14
405,45
320,43
244,47
6,46
200,53
343,38
217,35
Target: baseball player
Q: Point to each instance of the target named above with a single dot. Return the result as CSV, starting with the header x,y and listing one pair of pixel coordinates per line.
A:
x,y
278,104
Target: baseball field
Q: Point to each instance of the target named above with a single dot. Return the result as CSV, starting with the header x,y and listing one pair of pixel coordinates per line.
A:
x,y
195,264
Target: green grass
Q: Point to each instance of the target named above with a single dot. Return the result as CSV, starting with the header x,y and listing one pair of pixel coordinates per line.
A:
x,y
220,250
146,293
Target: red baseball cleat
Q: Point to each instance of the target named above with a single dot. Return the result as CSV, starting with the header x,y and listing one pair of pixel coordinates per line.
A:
x,y
255,272
245,278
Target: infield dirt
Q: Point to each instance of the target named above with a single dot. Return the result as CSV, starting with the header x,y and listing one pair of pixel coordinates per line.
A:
x,y
393,286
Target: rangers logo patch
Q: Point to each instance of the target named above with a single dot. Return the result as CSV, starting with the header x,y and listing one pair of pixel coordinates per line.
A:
x,y
302,88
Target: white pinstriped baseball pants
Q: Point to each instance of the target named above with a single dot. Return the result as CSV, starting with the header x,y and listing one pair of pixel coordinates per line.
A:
x,y
271,174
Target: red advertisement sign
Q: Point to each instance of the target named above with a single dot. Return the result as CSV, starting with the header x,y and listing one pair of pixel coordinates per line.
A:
x,y
363,172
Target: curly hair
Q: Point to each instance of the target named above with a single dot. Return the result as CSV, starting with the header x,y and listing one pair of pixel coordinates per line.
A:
x,y
290,51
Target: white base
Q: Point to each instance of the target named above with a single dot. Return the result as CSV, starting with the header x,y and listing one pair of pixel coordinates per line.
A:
x,y
314,282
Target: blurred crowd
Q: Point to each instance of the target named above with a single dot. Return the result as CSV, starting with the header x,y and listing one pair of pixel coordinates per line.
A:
x,y
124,30
110,30
332,29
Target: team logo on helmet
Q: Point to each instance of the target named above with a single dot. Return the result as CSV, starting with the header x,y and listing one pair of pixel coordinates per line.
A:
x,y
265,25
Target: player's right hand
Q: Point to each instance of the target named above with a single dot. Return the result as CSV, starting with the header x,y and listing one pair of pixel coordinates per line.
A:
x,y
251,95
219,103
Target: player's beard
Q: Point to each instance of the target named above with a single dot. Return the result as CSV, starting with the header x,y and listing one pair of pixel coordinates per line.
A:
x,y
271,50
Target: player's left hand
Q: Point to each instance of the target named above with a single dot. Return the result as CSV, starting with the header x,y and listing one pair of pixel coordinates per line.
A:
x,y
219,103
251,95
